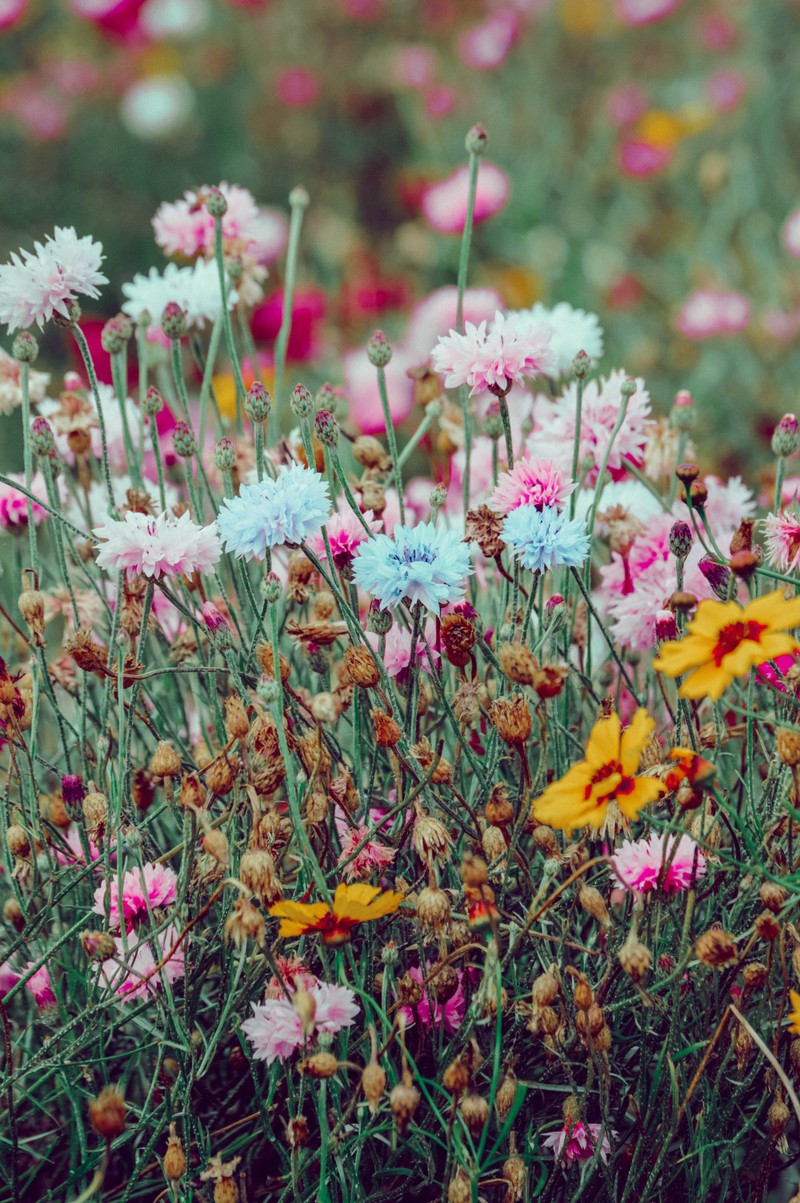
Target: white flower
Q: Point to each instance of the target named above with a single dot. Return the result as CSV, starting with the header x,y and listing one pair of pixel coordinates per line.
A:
x,y
196,289
512,349
39,284
572,330
265,515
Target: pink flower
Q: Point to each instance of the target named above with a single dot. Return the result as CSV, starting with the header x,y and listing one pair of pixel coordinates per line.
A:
x,y
486,46
372,858
791,234
576,1141
709,313
275,1029
435,316
725,89
184,227
142,891
626,103
537,482
292,975
141,979
444,205
642,12
41,283
8,978
602,400
71,853
449,1013
40,987
639,158
361,390
672,863
512,349
345,534
415,66
297,87
397,649
773,672
11,11
157,547
782,532
14,505
336,1007
439,100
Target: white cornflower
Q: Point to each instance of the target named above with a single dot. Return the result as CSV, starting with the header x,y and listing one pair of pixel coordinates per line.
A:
x,y
39,284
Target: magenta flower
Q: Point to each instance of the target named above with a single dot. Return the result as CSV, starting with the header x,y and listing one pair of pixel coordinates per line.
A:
x,y
671,864
514,348
577,1141
8,978
345,534
536,482
39,986
157,547
444,205
142,891
449,1013
14,504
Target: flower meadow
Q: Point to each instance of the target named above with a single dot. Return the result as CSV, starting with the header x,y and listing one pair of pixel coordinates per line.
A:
x,y
401,771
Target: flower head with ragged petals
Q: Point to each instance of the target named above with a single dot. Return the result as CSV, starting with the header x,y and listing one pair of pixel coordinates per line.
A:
x,y
157,547
397,649
572,330
142,891
544,538
196,289
345,534
135,973
670,864
43,281
422,563
275,1029
372,856
14,504
782,531
40,987
536,482
268,514
511,350
185,227
577,1141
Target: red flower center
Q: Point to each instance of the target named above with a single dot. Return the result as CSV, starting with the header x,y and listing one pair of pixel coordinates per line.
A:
x,y
732,635
626,785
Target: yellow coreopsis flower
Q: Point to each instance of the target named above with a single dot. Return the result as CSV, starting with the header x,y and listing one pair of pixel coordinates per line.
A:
x,y
605,781
794,1014
352,905
725,640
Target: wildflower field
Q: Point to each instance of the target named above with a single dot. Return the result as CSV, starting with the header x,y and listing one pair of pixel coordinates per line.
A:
x,y
400,726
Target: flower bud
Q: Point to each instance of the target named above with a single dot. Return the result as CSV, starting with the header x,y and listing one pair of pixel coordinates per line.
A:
x,y
301,402
184,443
682,414
373,1084
215,202
152,403
174,1157
634,957
717,575
173,321
43,442
476,140
326,428
404,1101
716,948
666,626
786,437
379,351
680,539
379,621
107,1113
25,348
98,945
257,403
225,455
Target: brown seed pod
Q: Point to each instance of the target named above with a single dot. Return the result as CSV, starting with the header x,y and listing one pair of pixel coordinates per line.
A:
x,y
107,1113
174,1158
474,1111
716,948
319,1065
373,1084
404,1101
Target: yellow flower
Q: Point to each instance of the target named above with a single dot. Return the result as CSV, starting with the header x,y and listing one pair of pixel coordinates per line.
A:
x,y
605,779
794,1014
725,640
352,905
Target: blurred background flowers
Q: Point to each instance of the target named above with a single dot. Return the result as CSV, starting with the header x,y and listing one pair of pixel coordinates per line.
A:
x,y
642,164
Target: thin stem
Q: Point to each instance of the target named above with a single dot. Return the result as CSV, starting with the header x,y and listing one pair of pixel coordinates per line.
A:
x,y
298,202
391,439
86,356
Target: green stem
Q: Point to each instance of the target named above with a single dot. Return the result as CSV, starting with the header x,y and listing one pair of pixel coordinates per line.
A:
x,y
86,356
298,202
391,439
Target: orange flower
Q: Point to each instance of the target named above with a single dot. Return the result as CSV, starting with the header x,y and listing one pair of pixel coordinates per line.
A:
x,y
352,905
688,767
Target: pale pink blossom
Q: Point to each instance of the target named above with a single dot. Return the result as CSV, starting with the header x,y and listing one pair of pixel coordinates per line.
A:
x,y
291,975
537,482
185,227
14,504
791,234
709,313
444,205
725,88
10,391
486,46
40,987
157,547
143,890
275,1029
728,503
782,532
414,66
69,850
336,1007
8,978
137,977
626,103
671,864
449,1013
602,400
372,858
345,534
397,649
642,12
42,282
435,315
363,397
577,1141
512,349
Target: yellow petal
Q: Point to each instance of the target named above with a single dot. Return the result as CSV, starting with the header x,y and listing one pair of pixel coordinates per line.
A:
x,y
775,610
681,655
645,791
707,681
712,616
306,913
603,745
635,739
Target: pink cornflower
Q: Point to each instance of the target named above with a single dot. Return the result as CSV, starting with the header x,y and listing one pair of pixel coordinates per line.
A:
x,y
142,891
537,482
444,205
773,672
486,46
435,315
512,349
671,864
157,547
40,987
642,12
372,858
602,400
397,649
141,978
43,281
275,1029
185,227
70,851
449,1013
292,975
782,531
14,505
577,1141
8,978
345,534
709,313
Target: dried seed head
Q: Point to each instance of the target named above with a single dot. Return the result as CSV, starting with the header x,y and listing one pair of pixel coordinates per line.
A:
x,y
174,1158
237,723
515,1174
98,945
778,1117
505,1094
31,607
773,896
319,1065
511,718
549,680
459,1189
361,667
716,948
456,1076
433,908
593,903
518,663
755,975
165,761
545,989
404,1101
387,730
192,795
12,913
257,872
602,1041
107,1113
545,840
215,844
297,1132
458,638
634,957
373,1084
370,453
474,871
485,528
475,1112
95,814
794,1057
409,991
430,839
583,995
499,811
17,841
494,845
767,926
245,922
305,1007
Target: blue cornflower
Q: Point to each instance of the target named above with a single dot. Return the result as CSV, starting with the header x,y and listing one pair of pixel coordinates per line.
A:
x,y
545,538
288,509
422,563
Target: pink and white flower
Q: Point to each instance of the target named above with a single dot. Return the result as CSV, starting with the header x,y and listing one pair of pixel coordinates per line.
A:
x,y
137,976
709,313
14,504
43,281
672,863
494,357
444,205
486,46
372,858
40,986
345,534
142,891
185,227
275,1029
537,482
577,1141
157,547
782,531
397,649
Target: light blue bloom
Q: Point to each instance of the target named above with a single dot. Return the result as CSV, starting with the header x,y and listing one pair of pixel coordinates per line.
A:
x,y
289,509
545,538
421,563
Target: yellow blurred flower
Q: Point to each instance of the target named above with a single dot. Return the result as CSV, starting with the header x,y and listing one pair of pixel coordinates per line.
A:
x,y
352,905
